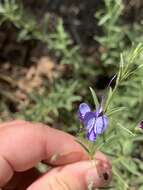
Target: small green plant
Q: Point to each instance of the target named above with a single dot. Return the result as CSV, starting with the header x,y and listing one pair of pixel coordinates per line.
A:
x,y
118,140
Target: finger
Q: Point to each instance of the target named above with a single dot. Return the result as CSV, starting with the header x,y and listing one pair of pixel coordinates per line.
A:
x,y
100,156
23,145
12,123
78,176
21,180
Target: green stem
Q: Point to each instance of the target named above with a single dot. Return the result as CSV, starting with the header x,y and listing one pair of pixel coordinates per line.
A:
x,y
92,150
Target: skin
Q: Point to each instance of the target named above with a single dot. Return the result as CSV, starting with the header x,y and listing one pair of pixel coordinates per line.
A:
x,y
23,145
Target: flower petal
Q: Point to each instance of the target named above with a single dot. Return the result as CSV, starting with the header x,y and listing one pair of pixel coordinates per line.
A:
x,y
99,111
101,124
89,120
83,109
91,136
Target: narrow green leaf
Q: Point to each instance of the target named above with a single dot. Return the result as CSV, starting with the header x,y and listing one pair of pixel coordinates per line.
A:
x,y
140,66
103,20
136,52
121,63
96,102
130,165
114,111
138,138
115,172
126,129
118,77
110,93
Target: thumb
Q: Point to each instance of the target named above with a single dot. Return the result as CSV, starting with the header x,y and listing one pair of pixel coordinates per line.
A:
x,y
78,176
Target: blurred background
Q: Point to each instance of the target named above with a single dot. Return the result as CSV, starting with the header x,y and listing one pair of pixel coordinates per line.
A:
x,y
51,51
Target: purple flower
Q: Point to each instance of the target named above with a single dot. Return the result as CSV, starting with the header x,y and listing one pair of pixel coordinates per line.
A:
x,y
141,125
95,123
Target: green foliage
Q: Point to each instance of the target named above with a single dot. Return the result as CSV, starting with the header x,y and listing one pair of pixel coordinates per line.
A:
x,y
47,106
116,35
61,43
126,165
59,100
124,123
112,41
95,98
121,131
12,11
58,42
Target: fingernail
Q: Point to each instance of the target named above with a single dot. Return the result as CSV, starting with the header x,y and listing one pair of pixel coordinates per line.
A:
x,y
54,158
98,176
67,157
77,155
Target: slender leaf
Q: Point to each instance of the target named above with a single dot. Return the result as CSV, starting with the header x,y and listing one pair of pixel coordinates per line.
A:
x,y
95,98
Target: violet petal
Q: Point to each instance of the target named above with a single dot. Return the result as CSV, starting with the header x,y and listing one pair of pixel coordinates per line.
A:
x,y
91,136
89,120
83,109
101,124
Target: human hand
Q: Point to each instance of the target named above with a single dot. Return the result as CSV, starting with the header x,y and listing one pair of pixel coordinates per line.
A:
x,y
24,144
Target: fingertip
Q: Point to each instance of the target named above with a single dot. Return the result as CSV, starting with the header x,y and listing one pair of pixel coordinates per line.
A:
x,y
101,156
77,176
